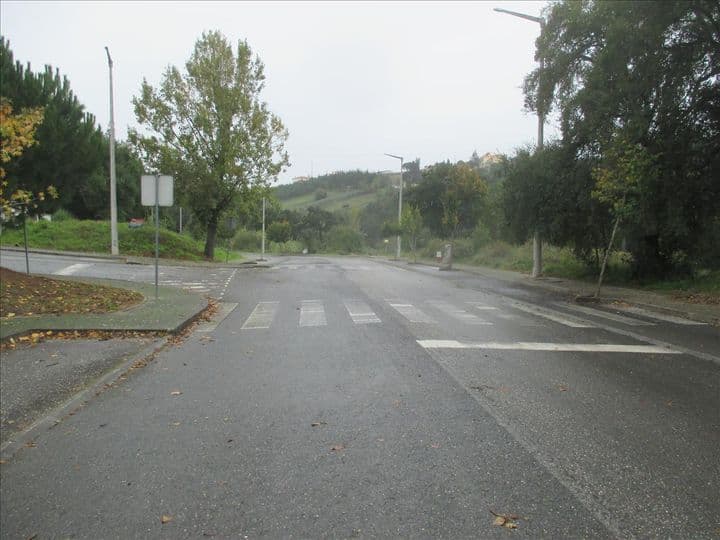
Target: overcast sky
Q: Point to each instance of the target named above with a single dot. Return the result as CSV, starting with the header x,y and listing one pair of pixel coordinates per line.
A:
x,y
350,80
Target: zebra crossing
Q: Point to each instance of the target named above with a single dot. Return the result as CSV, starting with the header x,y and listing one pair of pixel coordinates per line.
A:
x,y
312,313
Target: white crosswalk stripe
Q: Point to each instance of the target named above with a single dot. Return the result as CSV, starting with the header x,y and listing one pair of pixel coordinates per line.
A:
x,y
262,316
604,314
312,313
410,312
553,347
556,316
458,313
360,312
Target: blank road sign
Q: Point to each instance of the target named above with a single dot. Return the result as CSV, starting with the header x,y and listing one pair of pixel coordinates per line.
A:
x,y
165,190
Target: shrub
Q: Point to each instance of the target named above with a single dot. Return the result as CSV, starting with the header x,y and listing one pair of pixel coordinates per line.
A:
x,y
344,239
480,236
62,215
289,247
245,240
463,248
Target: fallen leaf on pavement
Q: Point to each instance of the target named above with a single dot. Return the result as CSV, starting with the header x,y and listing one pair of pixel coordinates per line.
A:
x,y
165,519
505,520
175,393
316,424
563,387
337,448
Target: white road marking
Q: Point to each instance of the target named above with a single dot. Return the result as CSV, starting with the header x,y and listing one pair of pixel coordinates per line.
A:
x,y
554,347
410,312
567,320
604,314
70,270
360,312
223,311
459,314
312,313
481,306
261,317
658,316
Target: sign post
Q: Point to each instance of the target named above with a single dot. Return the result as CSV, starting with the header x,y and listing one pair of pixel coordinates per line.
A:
x,y
156,190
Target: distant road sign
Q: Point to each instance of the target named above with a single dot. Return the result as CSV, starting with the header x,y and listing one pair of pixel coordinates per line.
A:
x,y
164,190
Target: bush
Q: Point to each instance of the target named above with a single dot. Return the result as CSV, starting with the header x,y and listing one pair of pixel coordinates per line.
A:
x,y
344,239
279,231
290,247
320,194
247,240
463,248
62,215
480,236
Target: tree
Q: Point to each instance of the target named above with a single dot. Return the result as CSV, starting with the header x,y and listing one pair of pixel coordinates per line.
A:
x,y
17,133
314,226
211,130
279,231
411,223
70,153
654,76
618,183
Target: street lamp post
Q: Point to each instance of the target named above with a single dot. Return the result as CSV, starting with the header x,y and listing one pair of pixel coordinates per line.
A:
x,y
113,183
537,240
399,237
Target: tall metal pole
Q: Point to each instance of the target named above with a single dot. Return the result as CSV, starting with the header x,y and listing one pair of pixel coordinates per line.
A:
x,y
181,220
262,257
157,230
399,238
113,183
537,239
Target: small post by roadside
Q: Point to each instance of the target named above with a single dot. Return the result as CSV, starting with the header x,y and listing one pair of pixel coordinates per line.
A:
x,y
27,259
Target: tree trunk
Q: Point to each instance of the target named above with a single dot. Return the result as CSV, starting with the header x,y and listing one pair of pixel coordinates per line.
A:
x,y
605,258
210,239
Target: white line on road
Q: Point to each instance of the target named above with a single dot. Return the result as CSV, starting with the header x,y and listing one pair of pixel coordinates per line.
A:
x,y
604,314
552,315
360,312
410,312
223,311
658,316
555,347
70,270
459,314
312,313
261,317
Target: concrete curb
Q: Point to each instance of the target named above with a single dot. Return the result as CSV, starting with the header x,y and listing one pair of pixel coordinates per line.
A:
x,y
19,440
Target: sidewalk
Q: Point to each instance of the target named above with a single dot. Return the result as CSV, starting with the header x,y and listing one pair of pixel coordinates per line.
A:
x,y
655,301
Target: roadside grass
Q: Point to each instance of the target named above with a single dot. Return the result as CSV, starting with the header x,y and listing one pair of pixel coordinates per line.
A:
x,y
335,200
562,263
94,237
23,295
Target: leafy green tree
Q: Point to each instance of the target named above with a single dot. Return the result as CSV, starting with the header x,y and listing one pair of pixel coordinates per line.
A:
x,y
619,183
70,152
652,75
344,239
211,130
279,231
411,223
314,227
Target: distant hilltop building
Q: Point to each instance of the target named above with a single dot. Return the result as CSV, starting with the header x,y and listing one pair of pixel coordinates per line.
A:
x,y
490,159
299,179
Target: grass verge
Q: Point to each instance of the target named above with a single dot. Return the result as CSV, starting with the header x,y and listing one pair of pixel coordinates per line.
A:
x,y
24,295
94,237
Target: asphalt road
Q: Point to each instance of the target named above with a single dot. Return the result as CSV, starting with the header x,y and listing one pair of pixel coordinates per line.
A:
x,y
345,397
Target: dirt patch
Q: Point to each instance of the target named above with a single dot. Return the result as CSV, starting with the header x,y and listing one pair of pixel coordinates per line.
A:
x,y
698,298
22,295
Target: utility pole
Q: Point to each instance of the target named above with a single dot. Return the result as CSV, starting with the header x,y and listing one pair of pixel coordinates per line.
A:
x,y
113,182
537,239
399,236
